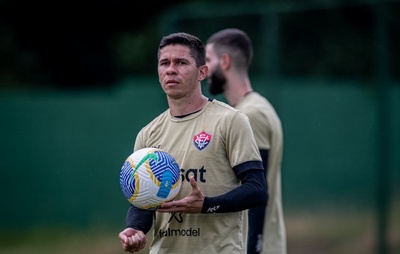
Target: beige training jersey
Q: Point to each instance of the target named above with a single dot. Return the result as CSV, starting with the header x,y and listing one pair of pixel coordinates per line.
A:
x,y
269,135
207,145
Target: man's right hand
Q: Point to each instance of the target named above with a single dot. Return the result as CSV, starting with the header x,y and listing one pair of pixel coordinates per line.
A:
x,y
132,240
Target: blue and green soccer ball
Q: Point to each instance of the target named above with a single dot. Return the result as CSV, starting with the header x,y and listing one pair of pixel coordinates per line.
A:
x,y
149,177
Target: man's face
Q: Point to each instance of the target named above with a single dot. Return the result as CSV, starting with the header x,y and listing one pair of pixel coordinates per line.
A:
x,y
216,78
177,71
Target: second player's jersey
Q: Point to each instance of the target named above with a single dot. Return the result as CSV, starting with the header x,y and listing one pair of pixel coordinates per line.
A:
x,y
206,145
269,136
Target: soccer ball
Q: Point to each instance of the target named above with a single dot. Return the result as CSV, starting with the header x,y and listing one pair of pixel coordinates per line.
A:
x,y
149,177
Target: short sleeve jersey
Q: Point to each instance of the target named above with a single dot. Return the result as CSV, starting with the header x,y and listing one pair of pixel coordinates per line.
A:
x,y
208,145
268,132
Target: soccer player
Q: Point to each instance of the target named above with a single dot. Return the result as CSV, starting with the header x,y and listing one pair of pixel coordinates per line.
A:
x,y
216,150
229,54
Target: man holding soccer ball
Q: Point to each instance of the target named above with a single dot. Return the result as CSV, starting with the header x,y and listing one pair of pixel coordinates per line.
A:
x,y
220,163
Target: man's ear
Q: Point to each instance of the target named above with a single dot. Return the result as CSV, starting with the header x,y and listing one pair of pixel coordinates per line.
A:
x,y
225,61
203,72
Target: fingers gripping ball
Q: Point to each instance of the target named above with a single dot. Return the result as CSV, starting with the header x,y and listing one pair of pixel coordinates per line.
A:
x,y
149,177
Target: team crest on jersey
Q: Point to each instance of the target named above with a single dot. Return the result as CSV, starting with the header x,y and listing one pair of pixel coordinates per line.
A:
x,y
202,140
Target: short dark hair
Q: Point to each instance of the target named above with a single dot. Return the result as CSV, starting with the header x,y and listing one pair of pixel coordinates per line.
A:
x,y
196,46
236,43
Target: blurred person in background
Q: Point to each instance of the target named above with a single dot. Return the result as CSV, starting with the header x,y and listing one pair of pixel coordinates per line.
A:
x,y
229,55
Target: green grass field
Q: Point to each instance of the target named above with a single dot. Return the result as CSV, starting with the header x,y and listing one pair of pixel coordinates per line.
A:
x,y
325,232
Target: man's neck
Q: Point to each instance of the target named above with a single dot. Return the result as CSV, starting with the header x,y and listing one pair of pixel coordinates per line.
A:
x,y
234,94
186,106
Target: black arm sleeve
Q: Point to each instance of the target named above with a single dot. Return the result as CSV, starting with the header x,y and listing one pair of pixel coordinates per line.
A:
x,y
251,193
139,219
257,216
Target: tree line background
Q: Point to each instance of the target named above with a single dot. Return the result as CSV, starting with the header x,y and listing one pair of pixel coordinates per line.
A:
x,y
82,44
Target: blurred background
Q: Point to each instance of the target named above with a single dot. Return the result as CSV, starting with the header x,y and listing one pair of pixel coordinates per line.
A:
x,y
78,79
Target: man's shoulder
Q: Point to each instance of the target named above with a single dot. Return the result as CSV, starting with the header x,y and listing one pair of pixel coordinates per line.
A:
x,y
255,96
220,105
157,119
256,101
225,113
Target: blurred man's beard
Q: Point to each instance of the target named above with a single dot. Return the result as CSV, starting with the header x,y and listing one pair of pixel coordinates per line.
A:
x,y
216,82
